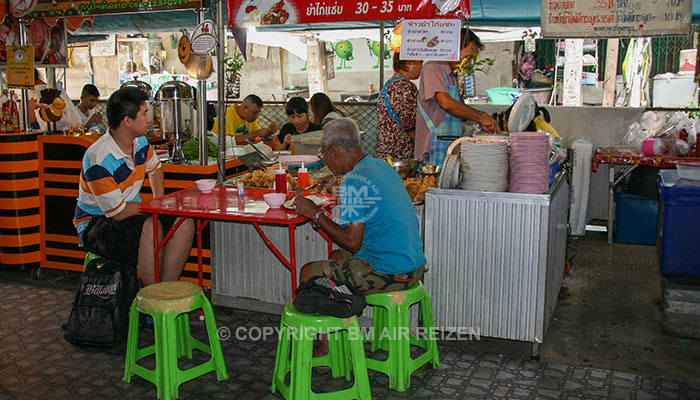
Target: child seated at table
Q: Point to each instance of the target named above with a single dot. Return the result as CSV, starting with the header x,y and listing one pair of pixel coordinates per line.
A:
x,y
298,111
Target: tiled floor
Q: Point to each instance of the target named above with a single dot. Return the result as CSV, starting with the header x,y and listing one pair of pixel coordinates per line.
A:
x,y
37,363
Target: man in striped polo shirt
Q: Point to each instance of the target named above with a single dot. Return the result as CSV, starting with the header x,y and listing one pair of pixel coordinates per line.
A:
x,y
106,215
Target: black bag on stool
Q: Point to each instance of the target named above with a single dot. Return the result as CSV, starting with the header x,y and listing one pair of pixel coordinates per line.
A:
x,y
341,302
100,314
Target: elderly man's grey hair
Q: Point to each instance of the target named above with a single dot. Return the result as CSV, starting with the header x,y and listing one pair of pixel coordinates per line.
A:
x,y
342,132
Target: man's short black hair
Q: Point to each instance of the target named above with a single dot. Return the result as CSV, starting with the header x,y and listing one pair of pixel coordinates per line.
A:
x,y
297,105
90,90
468,36
253,99
124,103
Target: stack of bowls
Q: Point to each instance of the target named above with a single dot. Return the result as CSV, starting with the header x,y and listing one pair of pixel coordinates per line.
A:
x,y
485,167
529,162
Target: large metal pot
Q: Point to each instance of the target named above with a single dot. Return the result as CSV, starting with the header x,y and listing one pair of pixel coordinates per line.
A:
x,y
140,85
177,114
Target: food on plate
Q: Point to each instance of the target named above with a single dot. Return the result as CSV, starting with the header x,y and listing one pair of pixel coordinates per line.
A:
x,y
417,187
318,200
275,15
433,42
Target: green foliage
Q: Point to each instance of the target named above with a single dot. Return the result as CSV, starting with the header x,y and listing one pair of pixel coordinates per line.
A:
x,y
529,32
232,66
469,66
190,149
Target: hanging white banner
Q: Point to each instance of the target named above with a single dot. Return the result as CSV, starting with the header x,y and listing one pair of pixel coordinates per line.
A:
x,y
615,18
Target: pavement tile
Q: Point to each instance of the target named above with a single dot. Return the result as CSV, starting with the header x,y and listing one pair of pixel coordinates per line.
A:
x,y
37,363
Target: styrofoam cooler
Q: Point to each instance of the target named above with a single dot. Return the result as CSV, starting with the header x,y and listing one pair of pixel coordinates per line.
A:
x,y
678,236
672,90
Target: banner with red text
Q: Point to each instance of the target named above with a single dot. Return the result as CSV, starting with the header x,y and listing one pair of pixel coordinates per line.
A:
x,y
615,18
244,13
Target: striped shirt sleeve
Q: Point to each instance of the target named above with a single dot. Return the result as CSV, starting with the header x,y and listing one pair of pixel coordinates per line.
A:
x,y
101,184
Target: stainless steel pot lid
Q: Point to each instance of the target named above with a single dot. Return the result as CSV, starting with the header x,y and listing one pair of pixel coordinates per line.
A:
x,y
173,90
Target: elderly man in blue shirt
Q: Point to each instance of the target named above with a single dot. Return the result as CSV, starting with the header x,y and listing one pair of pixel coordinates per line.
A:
x,y
378,231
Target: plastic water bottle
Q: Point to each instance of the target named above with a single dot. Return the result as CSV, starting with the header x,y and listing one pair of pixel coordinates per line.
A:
x,y
94,130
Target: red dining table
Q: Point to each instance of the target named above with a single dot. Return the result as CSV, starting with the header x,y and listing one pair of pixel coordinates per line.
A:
x,y
224,203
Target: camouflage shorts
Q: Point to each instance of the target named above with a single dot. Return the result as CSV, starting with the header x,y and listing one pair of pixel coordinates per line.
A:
x,y
362,277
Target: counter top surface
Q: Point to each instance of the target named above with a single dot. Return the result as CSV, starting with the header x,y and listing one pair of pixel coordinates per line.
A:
x,y
224,203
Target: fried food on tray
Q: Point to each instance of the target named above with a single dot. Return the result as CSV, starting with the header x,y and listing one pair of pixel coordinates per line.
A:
x,y
417,188
260,179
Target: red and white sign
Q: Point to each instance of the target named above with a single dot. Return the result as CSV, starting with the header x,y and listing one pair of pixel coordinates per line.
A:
x,y
243,13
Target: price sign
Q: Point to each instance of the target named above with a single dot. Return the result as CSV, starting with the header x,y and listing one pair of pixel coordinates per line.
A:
x,y
20,67
615,18
242,13
430,39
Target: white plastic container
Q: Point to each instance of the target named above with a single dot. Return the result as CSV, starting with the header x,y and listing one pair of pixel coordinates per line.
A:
x,y
672,90
689,170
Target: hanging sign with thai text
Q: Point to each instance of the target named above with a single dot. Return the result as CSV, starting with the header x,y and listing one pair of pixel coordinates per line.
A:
x,y
430,39
615,18
66,8
20,67
243,13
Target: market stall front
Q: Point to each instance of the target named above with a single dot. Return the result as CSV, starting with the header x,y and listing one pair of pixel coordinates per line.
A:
x,y
496,259
42,171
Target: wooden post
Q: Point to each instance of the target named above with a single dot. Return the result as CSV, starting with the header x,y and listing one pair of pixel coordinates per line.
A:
x,y
316,64
610,72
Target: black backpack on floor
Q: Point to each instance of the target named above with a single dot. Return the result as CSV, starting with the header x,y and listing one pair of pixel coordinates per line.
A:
x,y
100,314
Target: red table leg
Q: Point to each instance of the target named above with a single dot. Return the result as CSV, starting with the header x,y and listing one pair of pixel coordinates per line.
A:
x,y
292,259
200,227
156,247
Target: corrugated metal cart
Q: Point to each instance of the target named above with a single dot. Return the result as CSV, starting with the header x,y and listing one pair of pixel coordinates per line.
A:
x,y
496,259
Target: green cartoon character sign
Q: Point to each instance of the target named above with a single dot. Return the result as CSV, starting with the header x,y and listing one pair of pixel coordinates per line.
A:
x,y
374,47
343,50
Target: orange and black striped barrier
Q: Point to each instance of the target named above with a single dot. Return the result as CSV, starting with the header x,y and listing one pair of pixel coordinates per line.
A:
x,y
20,241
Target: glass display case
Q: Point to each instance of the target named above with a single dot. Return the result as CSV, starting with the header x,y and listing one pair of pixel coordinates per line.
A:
x,y
140,58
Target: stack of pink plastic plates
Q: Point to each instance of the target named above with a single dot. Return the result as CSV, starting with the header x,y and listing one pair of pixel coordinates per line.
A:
x,y
529,162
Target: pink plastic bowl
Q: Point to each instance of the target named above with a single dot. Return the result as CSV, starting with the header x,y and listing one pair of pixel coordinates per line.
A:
x,y
205,185
275,200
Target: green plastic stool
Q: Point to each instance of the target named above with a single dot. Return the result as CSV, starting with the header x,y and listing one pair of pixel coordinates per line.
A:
x,y
169,303
345,353
390,311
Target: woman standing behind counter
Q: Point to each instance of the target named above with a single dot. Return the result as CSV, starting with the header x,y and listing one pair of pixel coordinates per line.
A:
x,y
323,109
396,111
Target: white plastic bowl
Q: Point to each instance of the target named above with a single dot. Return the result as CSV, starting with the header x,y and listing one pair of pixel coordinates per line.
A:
x,y
205,185
275,200
689,169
